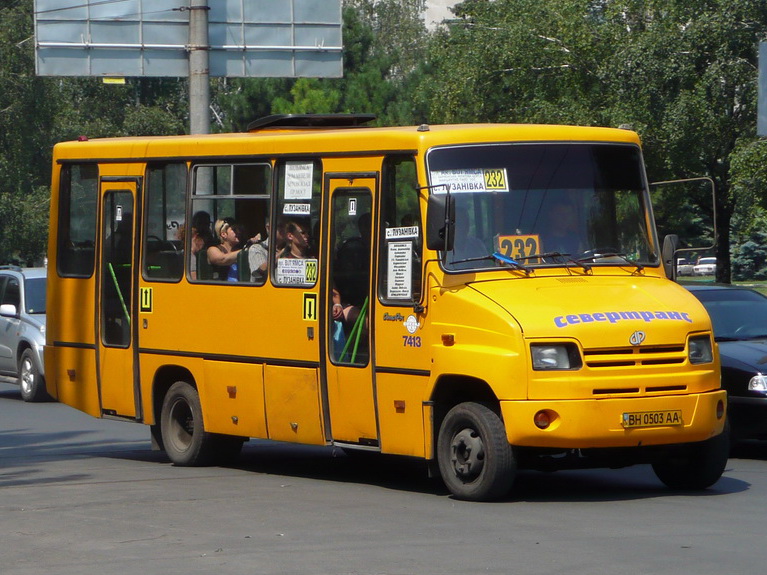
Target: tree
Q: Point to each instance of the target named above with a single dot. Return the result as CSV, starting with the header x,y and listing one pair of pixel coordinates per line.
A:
x,y
681,72
25,111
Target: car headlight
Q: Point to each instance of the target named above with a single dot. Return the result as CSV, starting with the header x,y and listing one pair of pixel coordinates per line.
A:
x,y
758,383
700,349
555,356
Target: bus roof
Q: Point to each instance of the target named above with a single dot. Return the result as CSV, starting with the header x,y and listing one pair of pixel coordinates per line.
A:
x,y
318,139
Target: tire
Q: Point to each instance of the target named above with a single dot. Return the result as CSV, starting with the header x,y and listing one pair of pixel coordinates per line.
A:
x,y
475,459
31,382
184,438
696,466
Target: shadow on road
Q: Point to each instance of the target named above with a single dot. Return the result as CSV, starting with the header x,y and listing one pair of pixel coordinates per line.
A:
x,y
24,447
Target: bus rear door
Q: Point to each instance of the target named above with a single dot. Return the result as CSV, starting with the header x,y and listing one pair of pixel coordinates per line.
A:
x,y
117,366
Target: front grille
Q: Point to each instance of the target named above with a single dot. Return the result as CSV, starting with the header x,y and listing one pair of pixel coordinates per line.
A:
x,y
632,357
635,356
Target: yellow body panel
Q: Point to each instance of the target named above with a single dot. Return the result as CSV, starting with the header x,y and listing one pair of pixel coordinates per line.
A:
x,y
401,414
292,399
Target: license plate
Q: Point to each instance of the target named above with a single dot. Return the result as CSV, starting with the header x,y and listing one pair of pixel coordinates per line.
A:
x,y
652,418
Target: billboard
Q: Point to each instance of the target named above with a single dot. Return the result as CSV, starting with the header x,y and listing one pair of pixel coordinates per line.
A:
x,y
247,38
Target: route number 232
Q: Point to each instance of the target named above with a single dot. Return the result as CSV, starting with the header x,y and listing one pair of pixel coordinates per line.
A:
x,y
519,246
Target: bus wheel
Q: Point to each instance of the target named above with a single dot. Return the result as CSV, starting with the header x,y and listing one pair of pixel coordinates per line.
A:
x,y
31,383
183,437
475,459
696,466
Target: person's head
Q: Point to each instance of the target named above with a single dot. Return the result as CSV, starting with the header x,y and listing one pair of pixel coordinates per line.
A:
x,y
225,231
201,223
563,218
297,236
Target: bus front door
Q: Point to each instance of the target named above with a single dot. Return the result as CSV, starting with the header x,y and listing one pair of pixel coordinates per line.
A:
x,y
350,385
118,382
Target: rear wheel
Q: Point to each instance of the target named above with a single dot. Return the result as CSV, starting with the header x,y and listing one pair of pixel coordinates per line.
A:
x,y
475,459
31,383
695,466
183,436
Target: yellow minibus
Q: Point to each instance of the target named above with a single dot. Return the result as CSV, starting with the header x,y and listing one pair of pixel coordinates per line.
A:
x,y
487,298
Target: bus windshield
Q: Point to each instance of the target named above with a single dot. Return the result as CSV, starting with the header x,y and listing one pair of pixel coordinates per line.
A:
x,y
546,204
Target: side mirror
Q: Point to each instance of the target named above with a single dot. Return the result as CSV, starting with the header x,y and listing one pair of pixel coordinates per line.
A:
x,y
8,310
440,222
670,247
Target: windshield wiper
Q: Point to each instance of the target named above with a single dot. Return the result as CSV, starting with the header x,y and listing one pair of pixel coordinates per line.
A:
x,y
594,254
498,256
567,257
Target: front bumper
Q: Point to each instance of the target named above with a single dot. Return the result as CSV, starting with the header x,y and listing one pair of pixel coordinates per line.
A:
x,y
597,423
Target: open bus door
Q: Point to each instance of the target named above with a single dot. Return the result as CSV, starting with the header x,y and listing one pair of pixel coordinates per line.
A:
x,y
350,383
119,390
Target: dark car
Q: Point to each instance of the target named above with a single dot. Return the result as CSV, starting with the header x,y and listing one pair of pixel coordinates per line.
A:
x,y
739,316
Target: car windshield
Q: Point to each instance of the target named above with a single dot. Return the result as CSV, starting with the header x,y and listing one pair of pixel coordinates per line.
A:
x,y
585,201
735,313
34,289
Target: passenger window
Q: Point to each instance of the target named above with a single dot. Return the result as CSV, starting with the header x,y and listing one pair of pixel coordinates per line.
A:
x,y
78,199
401,234
165,228
230,215
296,235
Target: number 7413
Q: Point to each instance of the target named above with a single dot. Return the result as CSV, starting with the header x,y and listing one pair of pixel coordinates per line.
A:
x,y
411,341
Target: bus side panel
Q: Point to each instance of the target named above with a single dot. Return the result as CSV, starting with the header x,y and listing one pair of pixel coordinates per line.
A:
x,y
233,399
71,378
400,413
293,411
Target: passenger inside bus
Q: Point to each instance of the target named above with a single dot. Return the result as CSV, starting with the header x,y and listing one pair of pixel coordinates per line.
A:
x,y
466,246
202,236
297,240
258,256
561,232
222,255
351,279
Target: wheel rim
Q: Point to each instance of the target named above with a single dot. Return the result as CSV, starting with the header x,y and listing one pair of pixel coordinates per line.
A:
x,y
467,454
181,425
27,376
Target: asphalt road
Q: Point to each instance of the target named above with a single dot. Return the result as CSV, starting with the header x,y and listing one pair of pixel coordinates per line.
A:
x,y
83,496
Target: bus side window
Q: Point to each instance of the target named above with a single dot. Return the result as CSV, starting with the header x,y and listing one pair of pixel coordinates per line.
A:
x,y
163,254
78,200
401,233
295,247
239,195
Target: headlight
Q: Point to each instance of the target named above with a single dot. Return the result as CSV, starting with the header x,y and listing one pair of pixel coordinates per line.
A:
x,y
555,356
700,350
758,383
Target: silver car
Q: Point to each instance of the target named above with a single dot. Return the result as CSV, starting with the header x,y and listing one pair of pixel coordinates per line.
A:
x,y
22,329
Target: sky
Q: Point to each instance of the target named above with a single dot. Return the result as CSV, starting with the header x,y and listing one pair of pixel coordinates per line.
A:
x,y
437,10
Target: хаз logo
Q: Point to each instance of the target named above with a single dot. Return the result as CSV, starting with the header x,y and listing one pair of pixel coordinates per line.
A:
x,y
637,338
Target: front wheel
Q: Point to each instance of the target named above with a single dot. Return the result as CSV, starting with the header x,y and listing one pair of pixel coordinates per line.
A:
x,y
31,382
475,459
696,466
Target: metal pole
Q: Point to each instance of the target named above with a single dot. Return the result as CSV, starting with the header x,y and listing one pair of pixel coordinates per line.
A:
x,y
199,84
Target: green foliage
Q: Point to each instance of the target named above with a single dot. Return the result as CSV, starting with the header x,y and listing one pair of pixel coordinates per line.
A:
x,y
681,72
